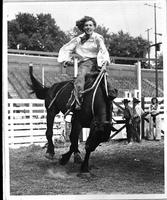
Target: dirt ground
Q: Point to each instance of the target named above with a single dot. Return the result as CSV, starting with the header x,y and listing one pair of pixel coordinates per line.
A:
x,y
116,168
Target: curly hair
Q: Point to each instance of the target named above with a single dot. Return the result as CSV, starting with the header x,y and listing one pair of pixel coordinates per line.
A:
x,y
153,99
80,23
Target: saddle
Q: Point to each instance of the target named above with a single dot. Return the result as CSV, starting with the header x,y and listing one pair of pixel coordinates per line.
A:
x,y
92,81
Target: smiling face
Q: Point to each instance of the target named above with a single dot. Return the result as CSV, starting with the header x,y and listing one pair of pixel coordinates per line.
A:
x,y
154,101
89,27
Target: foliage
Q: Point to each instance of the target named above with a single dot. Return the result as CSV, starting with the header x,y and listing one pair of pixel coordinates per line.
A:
x,y
38,32
124,45
120,44
160,61
41,33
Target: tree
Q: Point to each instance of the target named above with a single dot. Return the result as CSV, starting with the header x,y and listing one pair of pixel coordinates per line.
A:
x,y
102,30
99,29
160,61
120,44
124,45
41,33
38,32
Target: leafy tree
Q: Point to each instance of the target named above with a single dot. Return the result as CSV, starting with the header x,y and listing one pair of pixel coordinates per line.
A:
x,y
120,44
41,33
124,45
99,29
38,32
102,30
160,61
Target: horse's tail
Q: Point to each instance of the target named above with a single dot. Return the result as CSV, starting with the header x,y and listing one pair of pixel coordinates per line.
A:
x,y
37,87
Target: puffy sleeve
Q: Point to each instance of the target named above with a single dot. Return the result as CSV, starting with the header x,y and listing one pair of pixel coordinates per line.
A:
x,y
66,50
103,55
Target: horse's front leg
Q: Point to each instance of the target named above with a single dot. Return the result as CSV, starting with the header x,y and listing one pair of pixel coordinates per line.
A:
x,y
91,143
49,134
99,132
85,163
74,137
90,146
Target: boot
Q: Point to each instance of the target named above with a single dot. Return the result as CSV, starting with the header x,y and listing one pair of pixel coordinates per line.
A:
x,y
70,101
78,100
78,106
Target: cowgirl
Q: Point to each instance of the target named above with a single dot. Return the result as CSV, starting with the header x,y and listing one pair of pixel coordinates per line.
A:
x,y
92,53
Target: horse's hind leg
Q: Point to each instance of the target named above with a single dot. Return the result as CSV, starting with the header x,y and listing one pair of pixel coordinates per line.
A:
x,y
49,133
74,137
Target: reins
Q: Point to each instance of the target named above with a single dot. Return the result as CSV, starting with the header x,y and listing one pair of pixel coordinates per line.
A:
x,y
96,81
97,85
58,92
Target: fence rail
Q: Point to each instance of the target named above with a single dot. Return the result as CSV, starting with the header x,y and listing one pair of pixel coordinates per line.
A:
x,y
55,54
27,121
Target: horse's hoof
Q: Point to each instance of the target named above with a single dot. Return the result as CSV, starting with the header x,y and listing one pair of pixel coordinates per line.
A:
x,y
62,161
77,158
49,156
84,175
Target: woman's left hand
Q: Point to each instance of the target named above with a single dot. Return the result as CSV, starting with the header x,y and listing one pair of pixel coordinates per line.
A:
x,y
104,65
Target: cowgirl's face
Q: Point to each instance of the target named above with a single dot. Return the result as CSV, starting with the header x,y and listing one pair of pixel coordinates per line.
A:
x,y
89,27
154,101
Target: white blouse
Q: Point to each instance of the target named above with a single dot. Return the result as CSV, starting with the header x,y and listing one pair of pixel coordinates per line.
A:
x,y
138,111
154,109
94,47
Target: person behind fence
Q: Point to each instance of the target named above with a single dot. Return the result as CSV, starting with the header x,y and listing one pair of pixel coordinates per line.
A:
x,y
138,113
127,115
154,120
92,54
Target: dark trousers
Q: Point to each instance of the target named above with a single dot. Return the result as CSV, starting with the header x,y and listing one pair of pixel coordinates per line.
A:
x,y
85,67
128,131
136,130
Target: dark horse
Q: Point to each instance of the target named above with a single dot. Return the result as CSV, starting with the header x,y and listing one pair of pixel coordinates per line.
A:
x,y
95,116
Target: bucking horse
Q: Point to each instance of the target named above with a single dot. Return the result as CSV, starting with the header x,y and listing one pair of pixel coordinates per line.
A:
x,y
95,113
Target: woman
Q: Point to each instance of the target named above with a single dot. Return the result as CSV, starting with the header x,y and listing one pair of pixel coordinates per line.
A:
x,y
91,51
154,119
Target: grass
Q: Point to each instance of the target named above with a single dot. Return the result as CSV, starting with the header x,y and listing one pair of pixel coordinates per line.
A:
x,y
117,168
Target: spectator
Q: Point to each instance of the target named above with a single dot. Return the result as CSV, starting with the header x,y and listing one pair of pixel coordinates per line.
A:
x,y
154,120
127,115
136,119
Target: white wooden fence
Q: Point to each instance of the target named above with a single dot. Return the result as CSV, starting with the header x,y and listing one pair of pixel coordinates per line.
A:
x,y
27,122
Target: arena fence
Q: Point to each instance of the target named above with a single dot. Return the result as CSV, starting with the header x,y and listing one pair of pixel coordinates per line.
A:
x,y
27,122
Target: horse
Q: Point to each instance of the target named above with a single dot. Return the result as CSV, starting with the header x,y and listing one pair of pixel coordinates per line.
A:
x,y
95,113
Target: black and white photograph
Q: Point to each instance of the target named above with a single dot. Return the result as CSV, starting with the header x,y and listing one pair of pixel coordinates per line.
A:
x,y
84,99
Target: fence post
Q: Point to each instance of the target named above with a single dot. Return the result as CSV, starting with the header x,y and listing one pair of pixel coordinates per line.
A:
x,y
12,124
31,121
43,75
142,121
139,78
